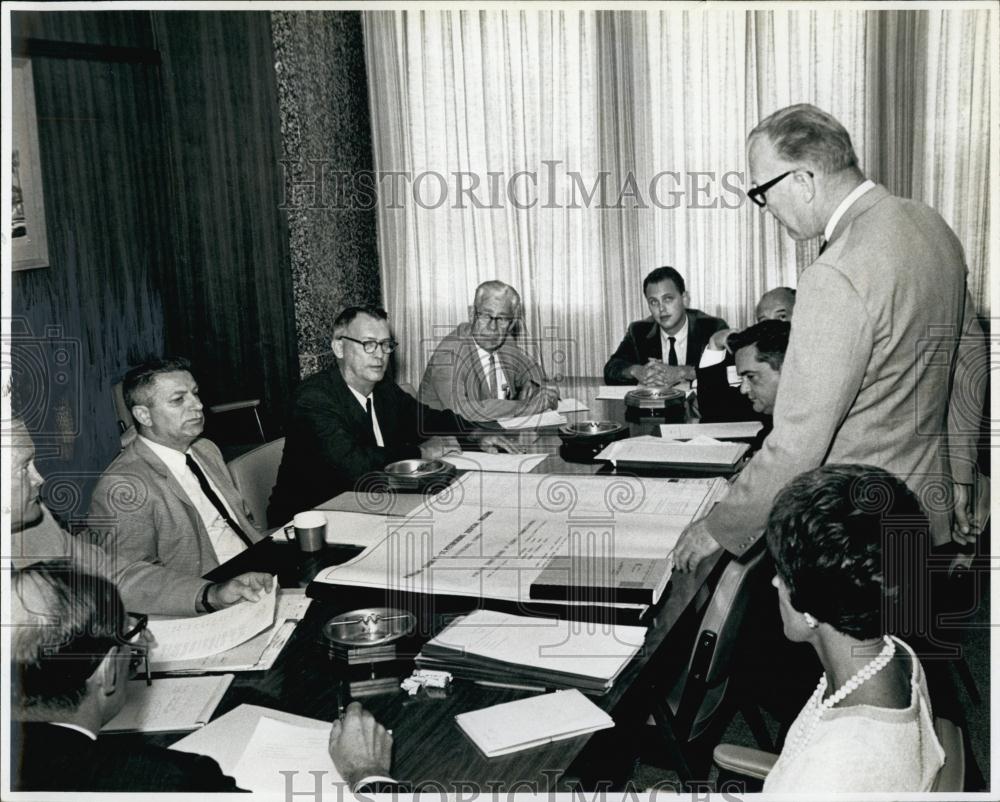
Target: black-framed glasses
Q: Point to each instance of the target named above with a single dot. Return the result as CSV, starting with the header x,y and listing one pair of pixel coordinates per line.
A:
x,y
756,194
139,652
500,322
371,346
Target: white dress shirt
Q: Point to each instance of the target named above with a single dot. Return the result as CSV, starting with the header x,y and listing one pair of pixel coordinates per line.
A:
x,y
846,204
76,727
363,400
503,388
225,542
680,343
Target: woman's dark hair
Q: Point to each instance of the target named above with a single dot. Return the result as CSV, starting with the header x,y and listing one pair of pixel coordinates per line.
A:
x,y
835,534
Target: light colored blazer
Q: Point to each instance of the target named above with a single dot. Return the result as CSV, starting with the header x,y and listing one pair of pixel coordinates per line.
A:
x,y
870,364
454,378
153,537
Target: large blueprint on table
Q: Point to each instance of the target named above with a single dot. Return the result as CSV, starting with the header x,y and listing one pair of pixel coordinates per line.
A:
x,y
490,535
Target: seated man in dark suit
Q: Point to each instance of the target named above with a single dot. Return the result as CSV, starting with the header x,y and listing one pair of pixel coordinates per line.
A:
x,y
74,647
165,510
760,352
666,347
350,421
717,401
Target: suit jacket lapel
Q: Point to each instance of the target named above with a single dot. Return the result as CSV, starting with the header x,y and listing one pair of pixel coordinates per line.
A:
x,y
693,346
145,453
358,414
654,343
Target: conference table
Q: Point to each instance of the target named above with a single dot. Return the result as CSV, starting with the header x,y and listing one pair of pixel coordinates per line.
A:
x,y
430,751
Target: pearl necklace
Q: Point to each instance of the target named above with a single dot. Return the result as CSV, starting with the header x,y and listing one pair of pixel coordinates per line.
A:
x,y
804,732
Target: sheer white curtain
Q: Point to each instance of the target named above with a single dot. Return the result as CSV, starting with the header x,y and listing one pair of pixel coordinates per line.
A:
x,y
647,114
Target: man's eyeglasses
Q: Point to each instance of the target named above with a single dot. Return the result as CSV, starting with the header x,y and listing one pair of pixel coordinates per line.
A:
x,y
137,645
371,346
490,321
756,194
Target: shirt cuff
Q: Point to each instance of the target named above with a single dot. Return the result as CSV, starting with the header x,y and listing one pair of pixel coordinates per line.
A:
x,y
372,779
711,357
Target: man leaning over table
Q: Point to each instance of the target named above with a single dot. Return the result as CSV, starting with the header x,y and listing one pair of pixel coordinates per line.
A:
x,y
884,329
166,511
479,372
74,648
666,347
349,420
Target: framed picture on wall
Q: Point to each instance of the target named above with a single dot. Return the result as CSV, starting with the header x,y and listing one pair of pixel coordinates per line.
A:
x,y
29,245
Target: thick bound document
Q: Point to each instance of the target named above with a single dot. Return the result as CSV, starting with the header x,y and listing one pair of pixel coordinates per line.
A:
x,y
603,580
531,722
495,647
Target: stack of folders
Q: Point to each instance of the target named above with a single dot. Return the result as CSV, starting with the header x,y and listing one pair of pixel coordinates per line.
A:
x,y
536,653
603,580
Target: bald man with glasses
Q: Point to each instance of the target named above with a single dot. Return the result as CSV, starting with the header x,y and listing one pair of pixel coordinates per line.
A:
x,y
350,421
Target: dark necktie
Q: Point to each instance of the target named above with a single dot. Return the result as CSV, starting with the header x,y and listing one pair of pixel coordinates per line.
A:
x,y
371,417
206,488
822,245
672,356
492,377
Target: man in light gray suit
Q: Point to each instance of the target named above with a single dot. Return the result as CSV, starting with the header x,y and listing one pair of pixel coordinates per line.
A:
x,y
885,348
166,510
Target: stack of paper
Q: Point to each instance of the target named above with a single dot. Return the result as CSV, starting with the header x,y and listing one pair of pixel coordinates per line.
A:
x,y
207,635
719,431
701,452
537,652
536,721
256,654
169,704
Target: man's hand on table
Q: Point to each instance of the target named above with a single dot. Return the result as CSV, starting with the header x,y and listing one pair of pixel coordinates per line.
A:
x,y
658,374
360,747
246,587
538,398
437,447
694,545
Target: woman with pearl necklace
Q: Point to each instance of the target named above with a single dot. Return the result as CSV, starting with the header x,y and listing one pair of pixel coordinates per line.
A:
x,y
868,725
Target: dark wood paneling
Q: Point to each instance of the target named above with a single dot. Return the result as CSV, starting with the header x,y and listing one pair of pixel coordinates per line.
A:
x,y
82,320
227,287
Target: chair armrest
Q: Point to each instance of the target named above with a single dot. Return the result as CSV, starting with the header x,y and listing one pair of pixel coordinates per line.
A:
x,y
743,760
250,403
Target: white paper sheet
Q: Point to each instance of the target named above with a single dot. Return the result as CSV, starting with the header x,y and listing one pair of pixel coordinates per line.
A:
x,y
568,405
535,721
277,746
225,739
169,704
205,635
490,535
547,418
613,392
499,463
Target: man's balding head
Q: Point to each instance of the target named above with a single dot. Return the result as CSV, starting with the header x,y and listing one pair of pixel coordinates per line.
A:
x,y
776,304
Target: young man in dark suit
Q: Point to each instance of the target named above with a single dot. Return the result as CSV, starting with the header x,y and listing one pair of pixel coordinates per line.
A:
x,y
666,347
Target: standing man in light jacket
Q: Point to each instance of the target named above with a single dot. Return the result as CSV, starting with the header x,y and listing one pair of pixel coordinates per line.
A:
x,y
885,347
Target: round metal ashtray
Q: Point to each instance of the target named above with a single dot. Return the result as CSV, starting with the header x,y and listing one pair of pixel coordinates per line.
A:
x,y
410,474
654,397
370,626
591,430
